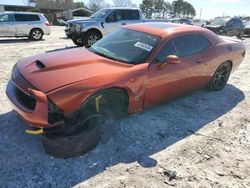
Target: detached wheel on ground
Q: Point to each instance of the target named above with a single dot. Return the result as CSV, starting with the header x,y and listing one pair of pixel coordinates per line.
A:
x,y
73,145
36,34
220,77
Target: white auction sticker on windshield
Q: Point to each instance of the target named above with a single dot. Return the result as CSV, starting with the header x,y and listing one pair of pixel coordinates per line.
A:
x,y
143,46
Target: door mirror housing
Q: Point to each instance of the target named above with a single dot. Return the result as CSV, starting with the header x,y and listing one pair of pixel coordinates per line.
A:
x,y
173,59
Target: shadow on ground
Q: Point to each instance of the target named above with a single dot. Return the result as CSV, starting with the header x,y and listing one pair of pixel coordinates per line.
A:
x,y
23,162
17,40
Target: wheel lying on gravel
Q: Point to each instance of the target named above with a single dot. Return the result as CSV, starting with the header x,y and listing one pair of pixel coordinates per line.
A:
x,y
65,146
36,34
220,77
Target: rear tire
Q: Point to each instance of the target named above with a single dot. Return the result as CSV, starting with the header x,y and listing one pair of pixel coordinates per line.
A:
x,y
66,146
36,34
220,77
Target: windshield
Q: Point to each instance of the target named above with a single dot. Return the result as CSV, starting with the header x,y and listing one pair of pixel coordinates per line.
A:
x,y
221,21
101,13
128,46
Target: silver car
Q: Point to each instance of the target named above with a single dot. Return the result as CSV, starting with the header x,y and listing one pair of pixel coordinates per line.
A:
x,y
23,24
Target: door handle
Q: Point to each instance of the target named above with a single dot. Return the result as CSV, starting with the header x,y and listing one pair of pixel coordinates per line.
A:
x,y
198,61
123,23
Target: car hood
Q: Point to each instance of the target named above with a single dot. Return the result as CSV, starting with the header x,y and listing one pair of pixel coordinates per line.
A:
x,y
53,70
213,26
83,20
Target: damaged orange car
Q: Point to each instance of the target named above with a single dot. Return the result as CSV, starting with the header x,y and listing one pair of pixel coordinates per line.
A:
x,y
132,68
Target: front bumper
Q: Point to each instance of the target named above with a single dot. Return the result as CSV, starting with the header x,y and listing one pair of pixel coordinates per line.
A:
x,y
32,106
73,34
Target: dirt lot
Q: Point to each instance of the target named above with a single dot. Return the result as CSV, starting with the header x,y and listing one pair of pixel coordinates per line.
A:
x,y
202,138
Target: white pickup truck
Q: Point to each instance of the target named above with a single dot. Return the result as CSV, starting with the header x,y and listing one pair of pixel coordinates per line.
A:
x,y
87,31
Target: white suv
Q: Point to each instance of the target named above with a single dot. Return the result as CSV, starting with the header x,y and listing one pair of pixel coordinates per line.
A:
x,y
23,24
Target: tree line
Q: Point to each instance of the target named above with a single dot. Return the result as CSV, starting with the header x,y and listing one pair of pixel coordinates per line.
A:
x,y
150,8
164,9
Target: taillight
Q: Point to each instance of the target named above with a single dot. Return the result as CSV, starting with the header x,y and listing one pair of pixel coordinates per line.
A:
x,y
47,23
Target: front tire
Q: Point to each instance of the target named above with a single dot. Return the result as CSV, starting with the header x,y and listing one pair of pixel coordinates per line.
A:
x,y
240,35
78,42
91,37
220,77
36,34
73,145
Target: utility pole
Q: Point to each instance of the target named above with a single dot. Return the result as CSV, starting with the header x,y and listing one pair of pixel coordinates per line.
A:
x,y
200,14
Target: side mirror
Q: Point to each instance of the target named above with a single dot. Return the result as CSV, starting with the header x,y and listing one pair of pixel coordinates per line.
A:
x,y
173,59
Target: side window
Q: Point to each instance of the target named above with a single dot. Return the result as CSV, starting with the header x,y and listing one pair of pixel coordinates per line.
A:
x,y
33,17
169,49
26,17
114,16
5,18
130,14
20,17
184,46
201,43
230,23
237,22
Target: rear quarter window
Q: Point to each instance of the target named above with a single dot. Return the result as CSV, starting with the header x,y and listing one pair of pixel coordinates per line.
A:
x,y
26,17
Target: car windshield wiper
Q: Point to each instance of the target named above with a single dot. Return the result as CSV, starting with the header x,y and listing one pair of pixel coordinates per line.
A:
x,y
102,54
107,56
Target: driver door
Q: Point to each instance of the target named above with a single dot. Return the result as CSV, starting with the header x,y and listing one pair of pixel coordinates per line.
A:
x,y
167,80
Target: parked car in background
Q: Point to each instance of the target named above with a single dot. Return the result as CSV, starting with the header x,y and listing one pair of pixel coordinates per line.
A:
x,y
247,28
60,22
227,26
132,68
88,31
199,22
182,21
23,24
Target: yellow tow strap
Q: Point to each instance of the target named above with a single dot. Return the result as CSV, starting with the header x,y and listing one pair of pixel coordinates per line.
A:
x,y
38,131
97,104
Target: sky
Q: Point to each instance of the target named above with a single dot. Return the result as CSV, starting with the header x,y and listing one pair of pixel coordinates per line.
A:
x,y
210,8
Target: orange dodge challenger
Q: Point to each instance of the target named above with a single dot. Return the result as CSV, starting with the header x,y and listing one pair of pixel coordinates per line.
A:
x,y
130,69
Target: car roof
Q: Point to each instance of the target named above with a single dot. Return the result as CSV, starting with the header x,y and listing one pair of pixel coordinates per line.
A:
x,y
160,28
120,8
166,30
17,12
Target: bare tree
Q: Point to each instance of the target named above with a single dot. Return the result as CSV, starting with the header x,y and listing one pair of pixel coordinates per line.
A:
x,y
65,4
96,5
122,3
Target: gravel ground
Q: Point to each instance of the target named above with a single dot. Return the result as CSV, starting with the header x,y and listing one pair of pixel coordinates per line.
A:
x,y
200,140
